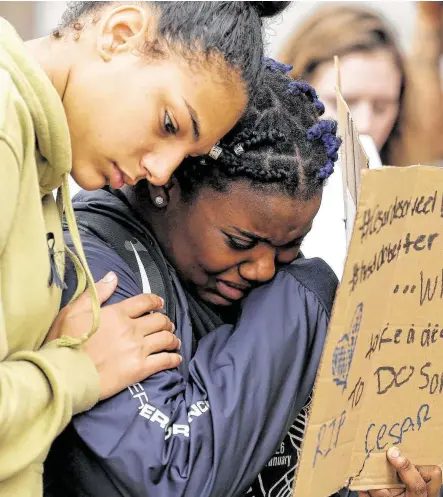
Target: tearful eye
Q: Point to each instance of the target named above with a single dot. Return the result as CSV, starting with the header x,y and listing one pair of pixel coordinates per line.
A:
x,y
240,243
169,126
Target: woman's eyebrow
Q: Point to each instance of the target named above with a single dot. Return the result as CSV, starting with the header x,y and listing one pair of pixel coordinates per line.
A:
x,y
194,119
250,235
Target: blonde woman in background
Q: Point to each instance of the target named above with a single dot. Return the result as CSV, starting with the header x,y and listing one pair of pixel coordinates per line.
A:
x,y
393,99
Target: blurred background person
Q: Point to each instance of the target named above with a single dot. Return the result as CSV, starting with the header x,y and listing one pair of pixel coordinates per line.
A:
x,y
394,99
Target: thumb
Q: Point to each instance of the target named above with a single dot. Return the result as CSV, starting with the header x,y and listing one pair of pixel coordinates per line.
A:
x,y
106,287
408,473
401,464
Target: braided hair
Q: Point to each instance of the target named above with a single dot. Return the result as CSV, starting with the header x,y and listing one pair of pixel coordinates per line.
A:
x,y
279,146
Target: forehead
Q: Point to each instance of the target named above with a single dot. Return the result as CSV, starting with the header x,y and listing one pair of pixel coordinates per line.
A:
x,y
277,217
215,91
373,74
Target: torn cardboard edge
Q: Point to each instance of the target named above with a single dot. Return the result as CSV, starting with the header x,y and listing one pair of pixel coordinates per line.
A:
x,y
353,158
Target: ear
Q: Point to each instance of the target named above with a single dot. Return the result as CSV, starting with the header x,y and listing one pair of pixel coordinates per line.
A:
x,y
122,29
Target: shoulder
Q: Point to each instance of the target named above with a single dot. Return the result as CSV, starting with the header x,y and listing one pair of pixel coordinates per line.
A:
x,y
101,259
318,279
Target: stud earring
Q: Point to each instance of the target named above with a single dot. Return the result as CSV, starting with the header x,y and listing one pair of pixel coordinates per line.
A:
x,y
159,200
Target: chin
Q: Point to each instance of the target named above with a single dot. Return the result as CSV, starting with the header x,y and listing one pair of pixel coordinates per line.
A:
x,y
214,299
88,178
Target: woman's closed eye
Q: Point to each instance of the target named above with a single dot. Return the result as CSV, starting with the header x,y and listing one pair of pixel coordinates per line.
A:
x,y
238,243
168,125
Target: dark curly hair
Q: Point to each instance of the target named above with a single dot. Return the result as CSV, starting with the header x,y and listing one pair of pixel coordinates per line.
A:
x,y
230,29
280,145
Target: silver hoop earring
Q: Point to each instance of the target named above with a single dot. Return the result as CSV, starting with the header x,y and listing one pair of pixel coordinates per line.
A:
x,y
159,200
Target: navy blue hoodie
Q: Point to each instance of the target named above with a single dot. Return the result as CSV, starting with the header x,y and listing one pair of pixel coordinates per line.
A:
x,y
222,424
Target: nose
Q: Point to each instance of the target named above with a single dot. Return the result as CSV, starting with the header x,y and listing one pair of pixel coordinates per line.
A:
x,y
363,117
160,167
261,267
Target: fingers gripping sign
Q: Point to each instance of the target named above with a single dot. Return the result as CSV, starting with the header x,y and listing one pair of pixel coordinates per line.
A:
x,y
419,481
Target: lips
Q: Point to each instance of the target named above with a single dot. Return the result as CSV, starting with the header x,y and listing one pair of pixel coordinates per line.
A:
x,y
116,178
231,291
119,177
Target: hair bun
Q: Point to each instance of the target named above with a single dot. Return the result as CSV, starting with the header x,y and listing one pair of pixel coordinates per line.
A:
x,y
268,9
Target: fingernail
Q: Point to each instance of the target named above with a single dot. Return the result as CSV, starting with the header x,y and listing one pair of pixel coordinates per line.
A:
x,y
179,343
394,452
180,358
109,277
162,301
173,328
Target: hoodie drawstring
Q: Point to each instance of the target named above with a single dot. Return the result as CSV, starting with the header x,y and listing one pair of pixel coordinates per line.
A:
x,y
81,266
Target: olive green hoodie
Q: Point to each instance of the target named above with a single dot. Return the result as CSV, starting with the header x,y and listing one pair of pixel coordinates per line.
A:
x,y
40,387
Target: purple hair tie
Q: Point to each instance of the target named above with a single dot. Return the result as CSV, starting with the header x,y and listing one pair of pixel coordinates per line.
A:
x,y
326,170
320,128
276,66
326,130
313,133
320,107
332,144
297,87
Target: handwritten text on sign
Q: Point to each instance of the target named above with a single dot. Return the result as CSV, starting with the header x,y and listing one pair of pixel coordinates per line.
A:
x,y
381,378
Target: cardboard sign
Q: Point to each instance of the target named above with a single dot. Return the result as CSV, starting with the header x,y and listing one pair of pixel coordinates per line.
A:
x,y
380,382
